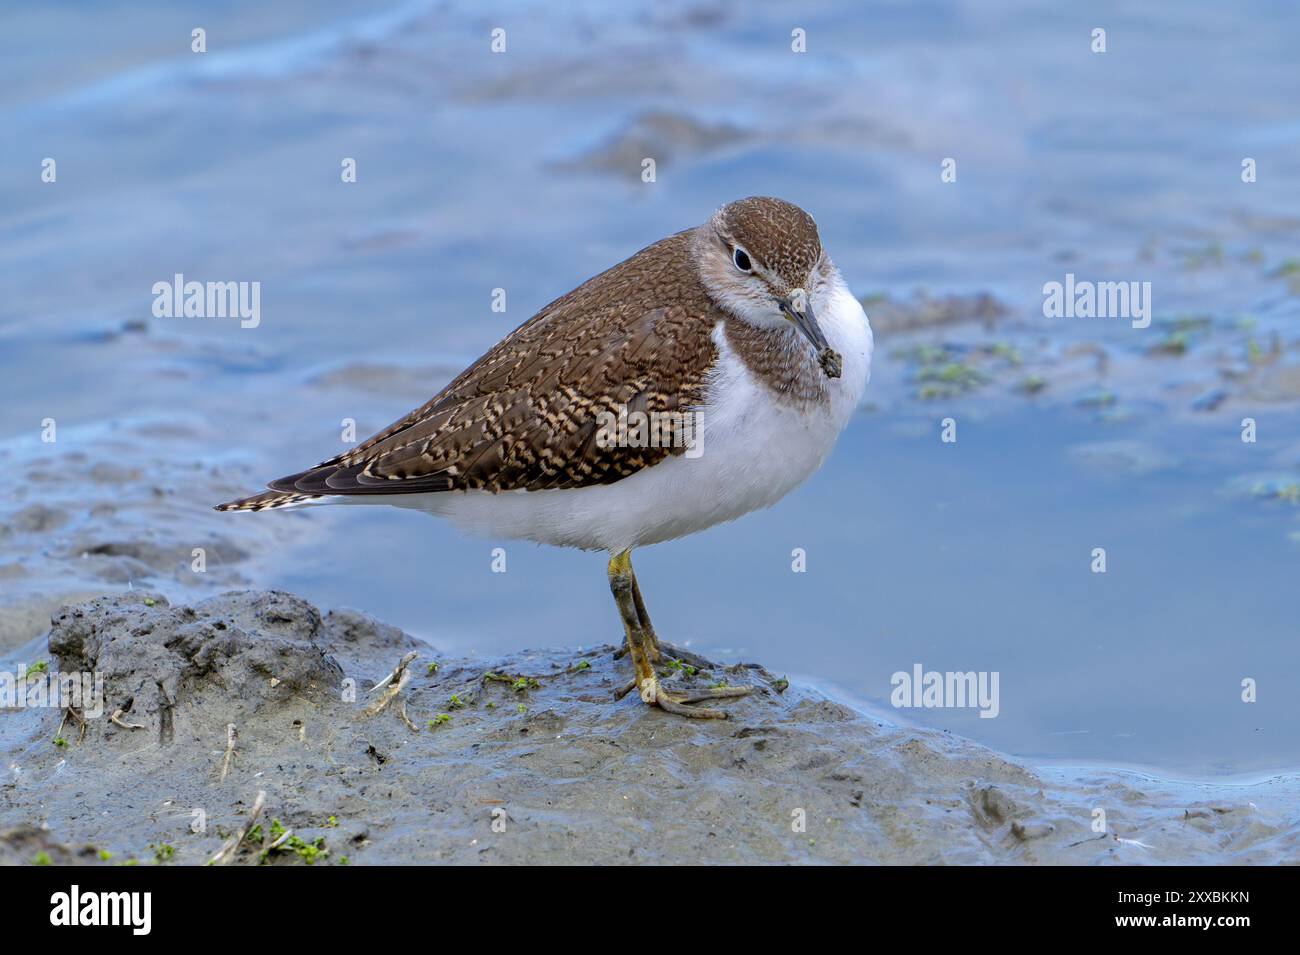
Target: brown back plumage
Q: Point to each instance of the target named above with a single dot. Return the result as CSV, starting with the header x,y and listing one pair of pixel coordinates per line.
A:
x,y
525,415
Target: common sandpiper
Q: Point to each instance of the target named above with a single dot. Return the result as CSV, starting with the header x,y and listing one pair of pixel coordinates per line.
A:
x,y
730,356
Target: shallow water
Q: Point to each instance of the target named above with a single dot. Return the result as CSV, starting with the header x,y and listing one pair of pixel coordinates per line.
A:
x,y
520,171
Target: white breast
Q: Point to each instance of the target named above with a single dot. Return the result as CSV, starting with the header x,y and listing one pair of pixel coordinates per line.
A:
x,y
755,451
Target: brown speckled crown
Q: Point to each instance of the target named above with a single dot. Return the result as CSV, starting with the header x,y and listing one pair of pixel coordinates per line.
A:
x,y
524,416
778,235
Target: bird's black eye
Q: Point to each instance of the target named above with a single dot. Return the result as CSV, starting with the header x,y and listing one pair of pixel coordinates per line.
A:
x,y
741,258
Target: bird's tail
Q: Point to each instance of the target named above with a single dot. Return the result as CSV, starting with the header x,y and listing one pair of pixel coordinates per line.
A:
x,y
268,500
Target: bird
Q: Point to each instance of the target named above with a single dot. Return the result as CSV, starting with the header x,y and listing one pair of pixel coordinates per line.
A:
x,y
702,378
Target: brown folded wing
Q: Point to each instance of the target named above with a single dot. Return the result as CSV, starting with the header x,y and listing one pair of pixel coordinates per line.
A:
x,y
527,414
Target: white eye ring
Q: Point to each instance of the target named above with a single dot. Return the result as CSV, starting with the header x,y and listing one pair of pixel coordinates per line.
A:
x,y
741,260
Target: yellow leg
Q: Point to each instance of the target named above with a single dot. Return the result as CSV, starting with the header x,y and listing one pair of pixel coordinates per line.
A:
x,y
623,586
647,628
643,647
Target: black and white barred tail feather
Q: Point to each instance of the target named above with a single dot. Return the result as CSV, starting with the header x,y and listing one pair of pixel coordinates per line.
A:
x,y
267,500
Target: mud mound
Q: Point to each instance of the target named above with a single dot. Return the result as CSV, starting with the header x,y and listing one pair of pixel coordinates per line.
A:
x,y
224,660
529,759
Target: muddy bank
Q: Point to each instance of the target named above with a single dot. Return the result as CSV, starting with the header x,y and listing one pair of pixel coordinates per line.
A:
x,y
118,507
527,759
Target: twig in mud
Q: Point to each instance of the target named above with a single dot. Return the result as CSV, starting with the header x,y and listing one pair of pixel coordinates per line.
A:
x,y
232,736
520,681
81,722
1131,842
398,671
392,690
235,841
406,719
1071,845
116,720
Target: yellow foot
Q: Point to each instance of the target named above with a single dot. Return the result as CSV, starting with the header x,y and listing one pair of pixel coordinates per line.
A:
x,y
672,702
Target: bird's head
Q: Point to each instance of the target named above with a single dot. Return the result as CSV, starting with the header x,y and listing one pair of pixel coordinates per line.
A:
x,y
761,260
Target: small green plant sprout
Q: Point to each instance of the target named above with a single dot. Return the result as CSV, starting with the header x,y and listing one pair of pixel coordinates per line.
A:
x,y
41,858
926,353
948,380
104,855
781,685
522,709
1098,399
332,822
455,703
1282,489
1290,270
1033,384
344,860
309,852
285,841
1211,254
149,601
254,834
1193,323
1257,355
42,666
525,683
1008,353
491,704
129,862
439,720
674,664
60,742
582,665
433,668
162,852
717,684
1175,343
